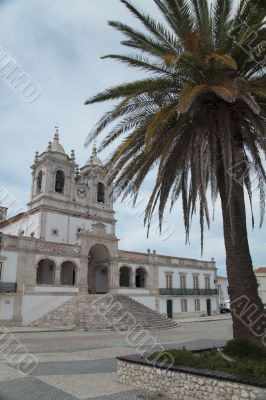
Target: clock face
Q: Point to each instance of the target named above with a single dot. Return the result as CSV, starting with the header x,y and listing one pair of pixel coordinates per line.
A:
x,y
82,193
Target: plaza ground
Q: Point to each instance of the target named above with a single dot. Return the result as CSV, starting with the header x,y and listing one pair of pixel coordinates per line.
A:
x,y
81,366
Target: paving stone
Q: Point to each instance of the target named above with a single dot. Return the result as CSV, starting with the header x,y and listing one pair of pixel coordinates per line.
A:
x,y
81,365
76,367
31,389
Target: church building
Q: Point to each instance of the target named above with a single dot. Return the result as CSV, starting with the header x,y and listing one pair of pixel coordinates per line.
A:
x,y
65,245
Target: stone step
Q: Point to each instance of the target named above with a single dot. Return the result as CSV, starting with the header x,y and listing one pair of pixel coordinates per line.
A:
x,y
87,312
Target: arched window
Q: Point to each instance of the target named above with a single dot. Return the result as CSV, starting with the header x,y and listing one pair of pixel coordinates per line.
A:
x,y
59,181
39,182
100,193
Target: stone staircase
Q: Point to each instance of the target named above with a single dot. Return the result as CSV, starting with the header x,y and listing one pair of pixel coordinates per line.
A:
x,y
104,312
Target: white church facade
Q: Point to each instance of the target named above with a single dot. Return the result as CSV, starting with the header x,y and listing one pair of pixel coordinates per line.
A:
x,y
65,245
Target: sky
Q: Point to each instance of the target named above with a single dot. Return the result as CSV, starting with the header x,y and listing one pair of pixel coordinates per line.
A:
x,y
59,45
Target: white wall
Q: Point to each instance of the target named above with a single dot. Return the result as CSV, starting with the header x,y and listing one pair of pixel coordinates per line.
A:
x,y
9,269
6,307
133,292
261,279
67,227
28,224
176,271
56,289
35,307
190,305
223,296
148,301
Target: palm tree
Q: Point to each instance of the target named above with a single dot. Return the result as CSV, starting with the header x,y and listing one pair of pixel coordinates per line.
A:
x,y
199,118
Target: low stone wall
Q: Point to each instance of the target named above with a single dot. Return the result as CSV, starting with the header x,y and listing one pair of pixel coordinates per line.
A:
x,y
186,383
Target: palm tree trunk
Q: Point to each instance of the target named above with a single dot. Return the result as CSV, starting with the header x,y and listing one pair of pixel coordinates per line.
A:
x,y
249,317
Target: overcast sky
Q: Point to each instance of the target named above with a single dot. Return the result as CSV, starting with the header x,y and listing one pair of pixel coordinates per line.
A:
x,y
59,44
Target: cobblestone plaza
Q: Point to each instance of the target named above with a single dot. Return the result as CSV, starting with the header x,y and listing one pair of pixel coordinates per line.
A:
x,y
81,366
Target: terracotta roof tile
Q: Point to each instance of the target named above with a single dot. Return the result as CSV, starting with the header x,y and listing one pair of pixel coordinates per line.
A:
x,y
133,255
261,270
12,220
221,277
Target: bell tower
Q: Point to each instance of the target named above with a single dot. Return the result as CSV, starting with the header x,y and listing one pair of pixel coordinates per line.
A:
x,y
67,200
92,185
53,176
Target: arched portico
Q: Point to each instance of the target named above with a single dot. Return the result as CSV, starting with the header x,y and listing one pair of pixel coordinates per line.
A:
x,y
125,277
141,275
45,274
98,269
68,274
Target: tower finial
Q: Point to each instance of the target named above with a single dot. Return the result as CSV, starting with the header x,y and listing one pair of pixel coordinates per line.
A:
x,y
94,149
56,135
72,156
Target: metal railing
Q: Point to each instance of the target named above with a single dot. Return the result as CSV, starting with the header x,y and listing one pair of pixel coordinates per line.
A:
x,y
188,292
8,287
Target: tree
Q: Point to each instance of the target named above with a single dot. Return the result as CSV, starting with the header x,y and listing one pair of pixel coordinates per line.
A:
x,y
199,118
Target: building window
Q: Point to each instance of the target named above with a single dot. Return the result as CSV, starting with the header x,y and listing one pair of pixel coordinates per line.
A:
x,y
79,230
100,193
184,305
1,267
183,282
195,281
55,232
169,281
207,282
39,182
219,289
59,181
197,304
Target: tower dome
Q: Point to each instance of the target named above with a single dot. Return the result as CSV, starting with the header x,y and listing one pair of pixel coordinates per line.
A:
x,y
55,145
94,159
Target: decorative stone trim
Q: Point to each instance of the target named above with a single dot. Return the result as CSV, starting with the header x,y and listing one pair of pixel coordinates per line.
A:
x,y
56,248
181,383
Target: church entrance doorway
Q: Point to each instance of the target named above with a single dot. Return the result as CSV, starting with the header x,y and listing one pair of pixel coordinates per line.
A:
x,y
98,269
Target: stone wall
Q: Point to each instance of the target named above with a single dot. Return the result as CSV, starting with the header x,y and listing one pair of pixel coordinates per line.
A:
x,y
183,386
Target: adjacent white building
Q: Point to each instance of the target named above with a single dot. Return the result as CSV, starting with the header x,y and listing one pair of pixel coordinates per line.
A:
x,y
261,279
66,244
222,288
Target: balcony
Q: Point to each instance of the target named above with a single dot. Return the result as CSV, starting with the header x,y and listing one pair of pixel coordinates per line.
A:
x,y
188,292
8,287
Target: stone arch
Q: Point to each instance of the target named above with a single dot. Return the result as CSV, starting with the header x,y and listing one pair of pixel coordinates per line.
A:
x,y
60,178
125,276
45,272
141,277
68,273
100,192
39,182
98,269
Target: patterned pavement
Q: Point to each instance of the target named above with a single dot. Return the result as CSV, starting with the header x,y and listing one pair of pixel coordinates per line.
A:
x,y
82,365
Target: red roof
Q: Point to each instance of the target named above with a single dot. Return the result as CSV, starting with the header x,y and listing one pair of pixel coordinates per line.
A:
x,y
221,277
261,270
133,255
12,220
